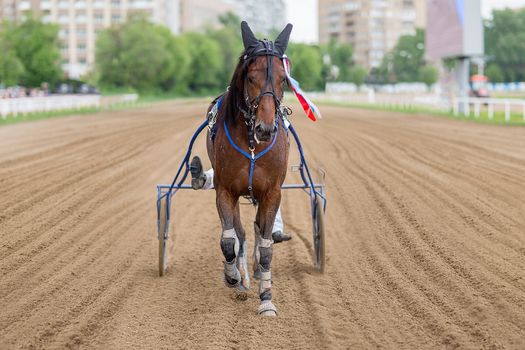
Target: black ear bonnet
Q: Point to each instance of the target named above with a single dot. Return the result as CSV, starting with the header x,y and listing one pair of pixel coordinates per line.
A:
x,y
254,47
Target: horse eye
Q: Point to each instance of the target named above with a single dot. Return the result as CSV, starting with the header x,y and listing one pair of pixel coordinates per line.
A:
x,y
251,80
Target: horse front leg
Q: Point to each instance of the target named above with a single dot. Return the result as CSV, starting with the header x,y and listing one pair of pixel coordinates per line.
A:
x,y
242,260
230,242
263,250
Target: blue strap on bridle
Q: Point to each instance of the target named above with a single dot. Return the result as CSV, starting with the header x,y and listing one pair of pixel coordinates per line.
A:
x,y
252,157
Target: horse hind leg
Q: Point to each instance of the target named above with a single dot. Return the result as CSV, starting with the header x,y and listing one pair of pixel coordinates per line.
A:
x,y
262,257
256,255
263,252
266,308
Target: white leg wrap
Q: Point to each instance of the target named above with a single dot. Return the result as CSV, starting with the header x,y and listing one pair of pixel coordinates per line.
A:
x,y
265,243
266,280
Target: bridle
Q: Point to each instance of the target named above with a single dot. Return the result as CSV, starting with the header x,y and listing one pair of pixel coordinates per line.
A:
x,y
249,111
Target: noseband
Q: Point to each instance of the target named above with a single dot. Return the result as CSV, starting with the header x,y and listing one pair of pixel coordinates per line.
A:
x,y
252,104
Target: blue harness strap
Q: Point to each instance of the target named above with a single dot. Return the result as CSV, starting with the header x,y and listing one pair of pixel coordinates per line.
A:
x,y
252,157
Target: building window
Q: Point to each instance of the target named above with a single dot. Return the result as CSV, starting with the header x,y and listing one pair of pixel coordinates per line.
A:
x,y
115,3
81,18
98,4
99,18
45,5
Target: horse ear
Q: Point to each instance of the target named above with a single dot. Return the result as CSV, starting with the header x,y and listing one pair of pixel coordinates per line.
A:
x,y
248,38
282,39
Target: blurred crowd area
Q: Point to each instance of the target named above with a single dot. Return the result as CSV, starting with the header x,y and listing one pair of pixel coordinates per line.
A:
x,y
21,92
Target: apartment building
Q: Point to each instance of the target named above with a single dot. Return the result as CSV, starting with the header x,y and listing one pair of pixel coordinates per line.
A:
x,y
81,20
372,27
263,17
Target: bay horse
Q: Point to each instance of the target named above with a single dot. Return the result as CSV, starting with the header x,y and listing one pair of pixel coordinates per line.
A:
x,y
248,150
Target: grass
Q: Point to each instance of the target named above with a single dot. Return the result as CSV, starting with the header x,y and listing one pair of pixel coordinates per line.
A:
x,y
499,117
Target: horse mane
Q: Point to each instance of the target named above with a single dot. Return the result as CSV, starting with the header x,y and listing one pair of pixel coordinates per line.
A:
x,y
234,97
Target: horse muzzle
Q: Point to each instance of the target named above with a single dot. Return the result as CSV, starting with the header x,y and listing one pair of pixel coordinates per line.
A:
x,y
264,132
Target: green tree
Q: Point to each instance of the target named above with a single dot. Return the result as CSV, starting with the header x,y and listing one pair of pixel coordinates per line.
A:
x,y
306,65
357,75
403,63
11,68
37,47
230,45
428,74
206,62
341,56
180,58
505,43
141,55
494,73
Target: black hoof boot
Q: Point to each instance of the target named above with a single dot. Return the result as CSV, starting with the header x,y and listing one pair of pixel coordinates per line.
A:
x,y
198,179
280,236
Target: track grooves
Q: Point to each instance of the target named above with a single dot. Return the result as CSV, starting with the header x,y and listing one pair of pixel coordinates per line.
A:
x,y
425,237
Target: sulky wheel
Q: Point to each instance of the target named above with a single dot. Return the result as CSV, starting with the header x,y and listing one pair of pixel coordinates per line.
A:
x,y
319,236
163,236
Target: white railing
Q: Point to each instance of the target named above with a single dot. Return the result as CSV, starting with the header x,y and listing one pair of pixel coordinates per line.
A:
x,y
23,105
466,104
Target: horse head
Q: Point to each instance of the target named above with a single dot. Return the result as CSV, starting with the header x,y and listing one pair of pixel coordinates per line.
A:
x,y
263,81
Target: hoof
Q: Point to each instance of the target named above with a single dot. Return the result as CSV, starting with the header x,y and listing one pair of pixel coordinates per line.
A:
x,y
231,281
267,309
269,313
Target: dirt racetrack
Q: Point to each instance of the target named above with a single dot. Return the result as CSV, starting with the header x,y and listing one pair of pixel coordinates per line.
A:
x,y
425,227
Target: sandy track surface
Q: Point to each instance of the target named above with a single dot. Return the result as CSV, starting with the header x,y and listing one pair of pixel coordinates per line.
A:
x,y
425,229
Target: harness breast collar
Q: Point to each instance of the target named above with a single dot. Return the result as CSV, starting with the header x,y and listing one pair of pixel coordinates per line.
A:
x,y
252,157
